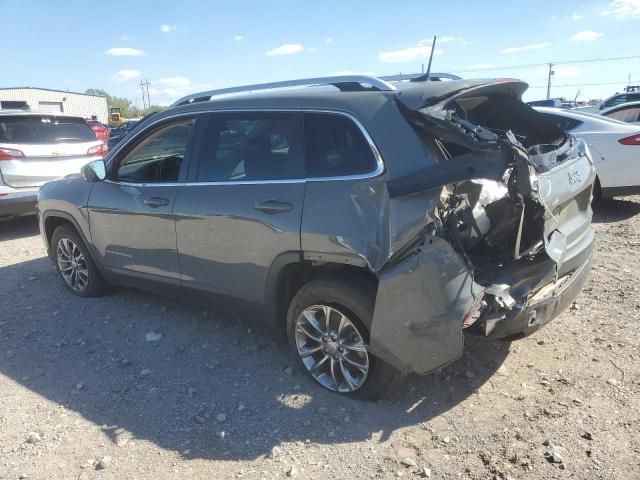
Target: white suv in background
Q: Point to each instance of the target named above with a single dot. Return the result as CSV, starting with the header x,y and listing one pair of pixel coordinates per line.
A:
x,y
36,148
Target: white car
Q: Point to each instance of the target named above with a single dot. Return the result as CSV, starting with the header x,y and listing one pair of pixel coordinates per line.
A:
x,y
36,148
615,148
627,112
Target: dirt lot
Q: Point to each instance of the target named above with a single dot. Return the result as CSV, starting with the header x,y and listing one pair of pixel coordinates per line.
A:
x,y
84,394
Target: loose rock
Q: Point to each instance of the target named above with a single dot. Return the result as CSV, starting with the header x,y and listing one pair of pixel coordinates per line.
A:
x,y
103,463
153,336
292,471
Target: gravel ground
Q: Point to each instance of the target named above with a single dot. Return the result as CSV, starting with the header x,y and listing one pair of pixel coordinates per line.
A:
x,y
86,392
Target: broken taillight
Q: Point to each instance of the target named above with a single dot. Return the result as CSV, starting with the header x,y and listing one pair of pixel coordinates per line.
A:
x,y
632,140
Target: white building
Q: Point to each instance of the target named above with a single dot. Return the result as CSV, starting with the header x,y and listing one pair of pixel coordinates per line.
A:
x,y
47,100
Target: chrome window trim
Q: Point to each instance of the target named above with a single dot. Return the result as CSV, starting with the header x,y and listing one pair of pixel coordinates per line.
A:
x,y
379,170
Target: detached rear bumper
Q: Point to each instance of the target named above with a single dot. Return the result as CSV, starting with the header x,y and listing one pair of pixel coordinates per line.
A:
x,y
20,204
524,319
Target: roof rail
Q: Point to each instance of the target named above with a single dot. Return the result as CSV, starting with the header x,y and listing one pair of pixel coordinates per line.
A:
x,y
343,82
420,77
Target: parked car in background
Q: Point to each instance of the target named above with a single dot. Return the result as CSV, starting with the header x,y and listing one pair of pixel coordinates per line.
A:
x,y
619,99
627,112
39,147
120,132
101,131
372,222
125,129
615,147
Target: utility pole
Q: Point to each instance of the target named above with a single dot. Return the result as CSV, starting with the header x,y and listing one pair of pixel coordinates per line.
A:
x,y
144,86
549,81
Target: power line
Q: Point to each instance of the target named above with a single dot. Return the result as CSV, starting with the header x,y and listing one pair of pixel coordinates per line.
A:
x,y
584,84
530,65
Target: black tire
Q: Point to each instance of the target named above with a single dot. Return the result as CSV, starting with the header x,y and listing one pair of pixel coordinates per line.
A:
x,y
95,285
597,193
356,302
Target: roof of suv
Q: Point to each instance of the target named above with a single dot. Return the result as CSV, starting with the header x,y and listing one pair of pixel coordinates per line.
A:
x,y
362,103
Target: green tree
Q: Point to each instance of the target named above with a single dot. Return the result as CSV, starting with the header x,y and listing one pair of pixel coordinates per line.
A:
x,y
127,108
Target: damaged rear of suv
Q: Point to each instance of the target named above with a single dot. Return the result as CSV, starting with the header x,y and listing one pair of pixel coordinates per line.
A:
x,y
375,222
507,242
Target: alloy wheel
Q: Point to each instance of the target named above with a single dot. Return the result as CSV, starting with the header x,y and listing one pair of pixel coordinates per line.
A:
x,y
331,348
72,265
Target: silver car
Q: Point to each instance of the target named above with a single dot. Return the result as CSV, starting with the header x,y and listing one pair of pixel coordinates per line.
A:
x,y
36,148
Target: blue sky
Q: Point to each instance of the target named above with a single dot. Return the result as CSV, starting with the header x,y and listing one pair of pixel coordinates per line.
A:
x,y
186,46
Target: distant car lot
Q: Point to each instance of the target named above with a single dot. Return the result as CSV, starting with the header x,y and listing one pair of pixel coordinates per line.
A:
x,y
615,147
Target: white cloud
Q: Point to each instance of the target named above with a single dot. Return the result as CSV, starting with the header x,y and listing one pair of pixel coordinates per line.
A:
x,y
124,52
238,38
576,16
420,51
166,28
328,40
286,49
125,38
623,9
481,66
586,36
533,46
174,82
125,75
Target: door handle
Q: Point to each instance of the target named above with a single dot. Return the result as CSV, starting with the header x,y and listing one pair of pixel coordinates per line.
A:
x,y
156,202
273,206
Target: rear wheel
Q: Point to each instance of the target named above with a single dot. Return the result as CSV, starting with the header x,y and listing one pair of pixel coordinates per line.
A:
x,y
74,264
597,192
328,329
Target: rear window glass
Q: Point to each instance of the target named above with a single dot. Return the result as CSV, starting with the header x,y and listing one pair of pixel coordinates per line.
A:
x,y
563,123
44,130
335,146
620,99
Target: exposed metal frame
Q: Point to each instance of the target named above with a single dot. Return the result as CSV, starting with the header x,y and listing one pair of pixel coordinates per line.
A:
x,y
374,82
379,170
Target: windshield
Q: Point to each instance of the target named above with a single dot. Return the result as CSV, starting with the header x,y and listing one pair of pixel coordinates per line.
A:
x,y
42,130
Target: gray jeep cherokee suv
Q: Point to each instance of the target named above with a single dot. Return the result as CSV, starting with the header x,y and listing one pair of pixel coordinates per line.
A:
x,y
372,221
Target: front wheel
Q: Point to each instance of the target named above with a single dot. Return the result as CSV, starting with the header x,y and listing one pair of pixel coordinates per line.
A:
x,y
328,329
74,264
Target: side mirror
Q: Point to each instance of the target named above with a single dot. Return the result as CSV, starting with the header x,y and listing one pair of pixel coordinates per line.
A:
x,y
95,171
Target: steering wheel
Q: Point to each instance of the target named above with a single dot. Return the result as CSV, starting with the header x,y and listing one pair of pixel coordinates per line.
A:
x,y
169,168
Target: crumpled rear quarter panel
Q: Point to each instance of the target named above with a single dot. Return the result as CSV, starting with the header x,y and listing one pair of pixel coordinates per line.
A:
x,y
420,307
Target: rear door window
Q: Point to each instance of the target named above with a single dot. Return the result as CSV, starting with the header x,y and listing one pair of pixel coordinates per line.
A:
x,y
43,130
335,146
250,146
